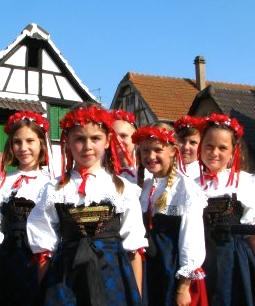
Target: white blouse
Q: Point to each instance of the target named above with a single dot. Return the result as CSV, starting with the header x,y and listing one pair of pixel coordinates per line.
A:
x,y
192,170
29,190
42,225
245,192
184,199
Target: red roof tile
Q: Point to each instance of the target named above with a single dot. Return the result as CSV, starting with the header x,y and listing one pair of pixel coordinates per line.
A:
x,y
171,98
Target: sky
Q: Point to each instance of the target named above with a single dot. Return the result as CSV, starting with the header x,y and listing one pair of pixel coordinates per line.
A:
x,y
104,39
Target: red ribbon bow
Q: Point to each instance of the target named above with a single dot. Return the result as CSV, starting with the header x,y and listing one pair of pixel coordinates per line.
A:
x,y
17,184
211,177
141,252
41,258
84,175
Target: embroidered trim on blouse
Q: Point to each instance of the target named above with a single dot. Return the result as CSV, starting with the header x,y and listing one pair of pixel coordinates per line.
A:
x,y
50,195
190,274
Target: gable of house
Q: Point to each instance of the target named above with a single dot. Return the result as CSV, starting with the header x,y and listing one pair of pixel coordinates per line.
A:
x,y
35,76
33,70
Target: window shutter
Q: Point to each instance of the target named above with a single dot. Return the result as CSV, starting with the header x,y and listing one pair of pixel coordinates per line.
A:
x,y
56,113
3,137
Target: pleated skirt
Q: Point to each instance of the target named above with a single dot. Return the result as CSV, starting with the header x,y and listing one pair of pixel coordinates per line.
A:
x,y
230,270
112,284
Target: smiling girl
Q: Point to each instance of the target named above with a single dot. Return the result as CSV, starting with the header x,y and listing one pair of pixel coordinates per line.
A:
x,y
173,207
91,218
26,148
230,214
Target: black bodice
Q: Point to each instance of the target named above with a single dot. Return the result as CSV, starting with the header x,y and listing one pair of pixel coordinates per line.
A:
x,y
222,217
15,213
98,220
223,210
160,225
163,223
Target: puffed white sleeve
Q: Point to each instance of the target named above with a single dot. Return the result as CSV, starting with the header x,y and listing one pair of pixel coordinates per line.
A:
x,y
191,235
42,223
132,229
246,195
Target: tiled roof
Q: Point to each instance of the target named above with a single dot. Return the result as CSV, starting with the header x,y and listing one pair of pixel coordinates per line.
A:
x,y
237,103
18,104
168,97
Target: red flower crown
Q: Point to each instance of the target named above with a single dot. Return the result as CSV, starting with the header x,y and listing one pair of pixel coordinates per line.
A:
x,y
222,119
151,132
189,122
82,116
37,118
120,114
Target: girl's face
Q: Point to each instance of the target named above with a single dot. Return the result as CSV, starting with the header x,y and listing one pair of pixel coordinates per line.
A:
x,y
217,149
125,131
157,157
26,148
188,147
87,145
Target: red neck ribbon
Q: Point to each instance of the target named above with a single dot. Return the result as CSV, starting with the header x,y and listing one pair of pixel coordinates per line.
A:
x,y
84,175
211,177
17,184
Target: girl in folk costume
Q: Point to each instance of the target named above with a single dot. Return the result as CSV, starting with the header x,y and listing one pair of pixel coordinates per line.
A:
x,y
187,130
26,148
230,215
92,218
131,168
174,223
124,126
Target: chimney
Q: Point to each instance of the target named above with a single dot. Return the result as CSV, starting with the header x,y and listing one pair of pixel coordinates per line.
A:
x,y
200,72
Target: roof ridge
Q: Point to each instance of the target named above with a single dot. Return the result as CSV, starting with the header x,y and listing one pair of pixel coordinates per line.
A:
x,y
230,83
131,73
158,76
240,90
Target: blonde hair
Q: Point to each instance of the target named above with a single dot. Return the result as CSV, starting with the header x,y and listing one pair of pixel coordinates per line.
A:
x,y
161,202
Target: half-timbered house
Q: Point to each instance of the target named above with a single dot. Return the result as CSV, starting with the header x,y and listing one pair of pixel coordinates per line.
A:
x,y
35,76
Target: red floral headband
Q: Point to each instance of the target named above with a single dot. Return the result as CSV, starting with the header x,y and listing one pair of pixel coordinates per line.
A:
x,y
161,134
120,114
153,133
82,116
189,122
222,119
37,118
